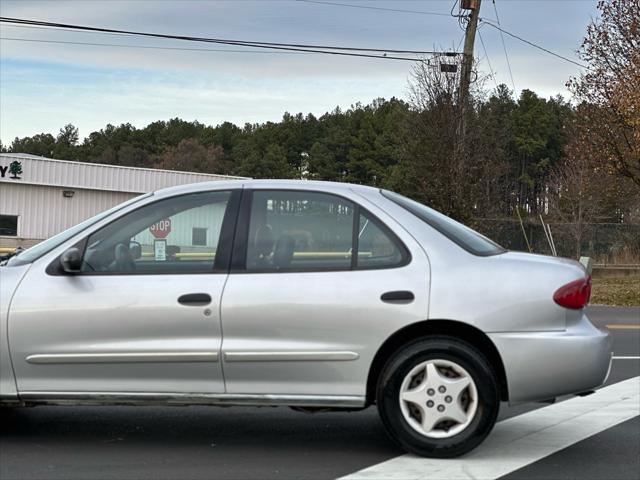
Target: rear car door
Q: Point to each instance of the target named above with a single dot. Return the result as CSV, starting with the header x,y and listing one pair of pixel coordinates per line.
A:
x,y
142,315
318,282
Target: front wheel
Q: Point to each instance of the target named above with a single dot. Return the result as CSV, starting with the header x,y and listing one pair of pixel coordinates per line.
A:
x,y
438,397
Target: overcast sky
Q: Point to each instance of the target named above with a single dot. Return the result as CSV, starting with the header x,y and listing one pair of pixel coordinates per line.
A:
x,y
46,85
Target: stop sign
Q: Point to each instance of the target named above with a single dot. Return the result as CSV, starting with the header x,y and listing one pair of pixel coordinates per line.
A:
x,y
161,229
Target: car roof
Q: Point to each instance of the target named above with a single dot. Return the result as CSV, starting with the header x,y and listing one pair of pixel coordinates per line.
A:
x,y
262,184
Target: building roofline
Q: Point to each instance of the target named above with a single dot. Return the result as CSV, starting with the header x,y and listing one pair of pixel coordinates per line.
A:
x,y
123,167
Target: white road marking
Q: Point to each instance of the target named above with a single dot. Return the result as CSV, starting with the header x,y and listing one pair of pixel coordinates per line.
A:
x,y
625,358
522,440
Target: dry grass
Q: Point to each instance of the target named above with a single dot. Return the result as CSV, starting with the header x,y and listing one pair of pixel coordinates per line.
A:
x,y
621,291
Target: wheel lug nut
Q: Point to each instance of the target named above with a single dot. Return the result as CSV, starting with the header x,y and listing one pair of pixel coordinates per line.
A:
x,y
448,399
441,408
431,392
442,389
430,403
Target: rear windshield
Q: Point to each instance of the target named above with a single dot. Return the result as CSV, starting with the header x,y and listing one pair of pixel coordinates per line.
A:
x,y
469,239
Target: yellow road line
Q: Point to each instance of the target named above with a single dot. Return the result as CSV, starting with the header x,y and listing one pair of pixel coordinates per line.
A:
x,y
622,326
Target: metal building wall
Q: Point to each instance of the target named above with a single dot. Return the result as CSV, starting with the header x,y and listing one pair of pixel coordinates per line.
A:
x,y
43,211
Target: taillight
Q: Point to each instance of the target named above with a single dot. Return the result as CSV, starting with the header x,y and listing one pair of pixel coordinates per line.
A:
x,y
575,294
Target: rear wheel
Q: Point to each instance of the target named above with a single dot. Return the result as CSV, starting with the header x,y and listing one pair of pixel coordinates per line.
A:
x,y
438,397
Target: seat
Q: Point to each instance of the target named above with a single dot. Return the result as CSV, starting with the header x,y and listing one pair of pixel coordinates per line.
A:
x,y
262,246
283,252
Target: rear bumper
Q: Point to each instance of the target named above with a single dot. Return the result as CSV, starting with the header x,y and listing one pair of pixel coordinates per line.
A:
x,y
545,365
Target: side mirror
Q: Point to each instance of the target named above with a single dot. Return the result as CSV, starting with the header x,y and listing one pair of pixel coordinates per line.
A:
x,y
71,260
136,250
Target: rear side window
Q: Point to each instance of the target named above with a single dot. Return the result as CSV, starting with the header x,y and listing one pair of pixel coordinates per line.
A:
x,y
299,230
311,231
467,238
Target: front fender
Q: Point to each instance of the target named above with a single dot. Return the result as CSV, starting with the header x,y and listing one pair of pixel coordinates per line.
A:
x,y
10,278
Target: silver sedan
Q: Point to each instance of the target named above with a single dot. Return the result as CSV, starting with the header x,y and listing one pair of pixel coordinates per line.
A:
x,y
307,294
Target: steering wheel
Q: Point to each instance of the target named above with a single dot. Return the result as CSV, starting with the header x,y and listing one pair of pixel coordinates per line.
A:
x,y
123,260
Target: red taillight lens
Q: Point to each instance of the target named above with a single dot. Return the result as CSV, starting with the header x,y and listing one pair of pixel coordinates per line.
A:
x,y
575,294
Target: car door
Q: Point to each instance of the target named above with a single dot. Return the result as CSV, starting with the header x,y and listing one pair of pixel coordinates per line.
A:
x,y
318,282
142,315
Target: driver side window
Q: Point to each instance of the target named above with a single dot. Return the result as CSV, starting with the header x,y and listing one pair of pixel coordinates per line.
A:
x,y
175,235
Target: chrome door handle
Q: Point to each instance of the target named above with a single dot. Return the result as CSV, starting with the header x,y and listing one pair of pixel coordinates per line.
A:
x,y
399,296
195,299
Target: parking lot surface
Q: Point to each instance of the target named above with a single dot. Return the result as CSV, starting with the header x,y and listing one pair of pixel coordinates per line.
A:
x,y
594,437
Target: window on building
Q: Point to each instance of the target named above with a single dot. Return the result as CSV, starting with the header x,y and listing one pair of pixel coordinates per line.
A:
x,y
9,225
199,236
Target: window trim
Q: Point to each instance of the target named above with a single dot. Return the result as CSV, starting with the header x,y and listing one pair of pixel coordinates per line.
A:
x,y
241,243
221,261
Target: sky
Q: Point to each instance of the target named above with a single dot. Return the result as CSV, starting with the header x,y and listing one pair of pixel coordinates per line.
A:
x,y
44,86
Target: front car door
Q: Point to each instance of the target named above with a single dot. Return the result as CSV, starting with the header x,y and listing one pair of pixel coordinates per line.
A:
x,y
141,317
303,311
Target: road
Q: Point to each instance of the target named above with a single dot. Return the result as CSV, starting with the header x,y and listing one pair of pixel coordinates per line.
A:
x,y
270,443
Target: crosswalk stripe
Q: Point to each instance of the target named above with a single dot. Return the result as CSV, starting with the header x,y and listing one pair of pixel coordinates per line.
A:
x,y
522,440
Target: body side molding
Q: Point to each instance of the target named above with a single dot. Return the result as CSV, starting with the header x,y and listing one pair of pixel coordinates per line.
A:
x,y
137,357
288,356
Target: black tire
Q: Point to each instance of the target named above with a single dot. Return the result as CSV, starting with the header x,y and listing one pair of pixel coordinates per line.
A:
x,y
453,350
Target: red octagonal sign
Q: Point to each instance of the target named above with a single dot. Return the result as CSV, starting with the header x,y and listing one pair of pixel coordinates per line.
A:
x,y
161,229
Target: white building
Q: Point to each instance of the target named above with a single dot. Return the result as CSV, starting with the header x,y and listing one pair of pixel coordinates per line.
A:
x,y
40,197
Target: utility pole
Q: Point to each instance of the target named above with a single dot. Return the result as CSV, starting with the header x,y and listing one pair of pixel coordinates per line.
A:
x,y
465,77
469,40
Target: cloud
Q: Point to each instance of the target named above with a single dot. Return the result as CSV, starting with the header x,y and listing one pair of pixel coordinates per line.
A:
x,y
33,103
46,85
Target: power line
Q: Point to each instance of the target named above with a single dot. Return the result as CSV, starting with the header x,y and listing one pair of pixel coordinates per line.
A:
x,y
369,7
493,75
294,52
59,29
226,50
322,49
504,46
502,30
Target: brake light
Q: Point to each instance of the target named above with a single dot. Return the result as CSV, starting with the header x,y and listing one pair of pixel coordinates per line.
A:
x,y
575,294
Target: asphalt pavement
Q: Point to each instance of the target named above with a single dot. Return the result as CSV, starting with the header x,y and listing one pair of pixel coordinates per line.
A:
x,y
266,443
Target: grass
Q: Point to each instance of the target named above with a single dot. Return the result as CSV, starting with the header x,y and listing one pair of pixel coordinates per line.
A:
x,y
622,291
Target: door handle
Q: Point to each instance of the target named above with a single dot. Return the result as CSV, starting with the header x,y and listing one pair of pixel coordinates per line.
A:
x,y
397,296
195,299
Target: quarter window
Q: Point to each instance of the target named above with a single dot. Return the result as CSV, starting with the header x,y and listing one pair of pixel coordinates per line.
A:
x,y
376,248
176,235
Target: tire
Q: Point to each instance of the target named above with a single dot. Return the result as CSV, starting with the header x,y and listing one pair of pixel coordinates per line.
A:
x,y
450,362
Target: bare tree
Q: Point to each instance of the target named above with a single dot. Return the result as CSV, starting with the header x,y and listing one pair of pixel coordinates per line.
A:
x,y
612,50
581,185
